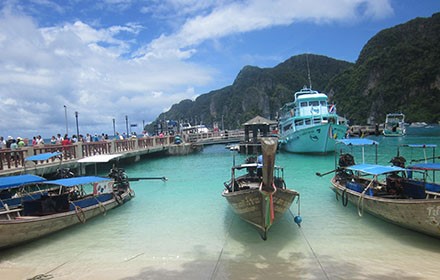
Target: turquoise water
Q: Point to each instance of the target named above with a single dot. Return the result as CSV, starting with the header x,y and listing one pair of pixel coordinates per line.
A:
x,y
184,229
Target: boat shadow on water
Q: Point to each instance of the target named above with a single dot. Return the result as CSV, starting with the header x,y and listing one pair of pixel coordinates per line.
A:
x,y
285,255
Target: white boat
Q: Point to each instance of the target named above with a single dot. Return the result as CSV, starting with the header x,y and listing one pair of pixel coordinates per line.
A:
x,y
309,124
394,125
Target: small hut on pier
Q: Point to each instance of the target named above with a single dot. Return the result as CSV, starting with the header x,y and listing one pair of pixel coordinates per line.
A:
x,y
260,127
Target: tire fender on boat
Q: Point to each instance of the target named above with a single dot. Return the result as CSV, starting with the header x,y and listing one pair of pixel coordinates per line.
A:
x,y
344,198
118,199
102,208
80,214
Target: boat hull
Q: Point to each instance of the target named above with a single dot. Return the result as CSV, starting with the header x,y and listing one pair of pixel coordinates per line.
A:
x,y
251,206
23,229
314,139
389,133
422,215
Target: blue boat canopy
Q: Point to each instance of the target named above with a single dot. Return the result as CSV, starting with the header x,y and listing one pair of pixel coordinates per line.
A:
x,y
10,182
44,156
374,169
357,141
425,166
75,181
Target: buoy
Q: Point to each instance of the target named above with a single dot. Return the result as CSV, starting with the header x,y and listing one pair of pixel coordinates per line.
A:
x,y
298,220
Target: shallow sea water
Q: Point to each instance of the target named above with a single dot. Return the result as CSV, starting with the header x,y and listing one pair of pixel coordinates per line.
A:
x,y
184,229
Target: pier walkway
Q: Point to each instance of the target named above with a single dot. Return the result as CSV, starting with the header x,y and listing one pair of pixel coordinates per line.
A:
x,y
15,163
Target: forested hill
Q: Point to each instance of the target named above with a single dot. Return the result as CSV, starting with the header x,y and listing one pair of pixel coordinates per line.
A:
x,y
398,70
257,91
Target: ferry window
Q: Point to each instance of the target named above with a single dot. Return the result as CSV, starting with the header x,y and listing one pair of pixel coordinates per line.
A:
x,y
287,127
307,121
316,120
323,103
299,122
314,103
303,104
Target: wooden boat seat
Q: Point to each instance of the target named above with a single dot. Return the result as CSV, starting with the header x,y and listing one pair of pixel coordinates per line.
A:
x,y
26,217
433,195
8,211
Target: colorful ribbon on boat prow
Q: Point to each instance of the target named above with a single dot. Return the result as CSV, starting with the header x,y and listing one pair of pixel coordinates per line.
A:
x,y
270,209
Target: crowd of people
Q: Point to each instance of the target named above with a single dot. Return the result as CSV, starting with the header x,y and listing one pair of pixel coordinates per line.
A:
x,y
18,142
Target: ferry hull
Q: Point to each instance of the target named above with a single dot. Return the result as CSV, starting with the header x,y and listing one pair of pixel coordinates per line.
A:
x,y
314,139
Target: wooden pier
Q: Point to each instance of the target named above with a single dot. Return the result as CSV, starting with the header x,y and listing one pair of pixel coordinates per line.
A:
x,y
131,150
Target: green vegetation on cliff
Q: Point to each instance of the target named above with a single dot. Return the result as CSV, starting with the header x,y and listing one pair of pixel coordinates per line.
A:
x,y
397,71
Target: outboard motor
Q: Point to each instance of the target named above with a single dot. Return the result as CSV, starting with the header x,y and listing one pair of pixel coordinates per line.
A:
x,y
342,174
120,177
63,173
346,160
398,161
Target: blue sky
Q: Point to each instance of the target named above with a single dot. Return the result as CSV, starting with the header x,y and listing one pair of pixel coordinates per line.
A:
x,y
107,59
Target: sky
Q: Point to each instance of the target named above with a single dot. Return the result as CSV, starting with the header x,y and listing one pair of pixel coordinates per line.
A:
x,y
126,61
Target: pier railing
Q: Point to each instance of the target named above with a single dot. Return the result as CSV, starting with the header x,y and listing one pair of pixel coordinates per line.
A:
x,y
213,136
15,159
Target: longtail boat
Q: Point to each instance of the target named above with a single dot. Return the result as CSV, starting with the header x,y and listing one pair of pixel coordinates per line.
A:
x,y
260,197
387,192
67,205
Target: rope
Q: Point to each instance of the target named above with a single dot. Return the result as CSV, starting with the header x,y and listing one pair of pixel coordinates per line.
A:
x,y
101,207
47,275
214,272
311,249
135,256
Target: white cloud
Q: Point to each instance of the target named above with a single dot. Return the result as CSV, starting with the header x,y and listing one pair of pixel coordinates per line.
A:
x,y
43,69
103,74
245,16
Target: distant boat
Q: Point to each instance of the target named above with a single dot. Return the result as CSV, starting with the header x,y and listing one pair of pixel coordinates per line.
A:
x,y
394,125
260,196
418,124
309,124
422,128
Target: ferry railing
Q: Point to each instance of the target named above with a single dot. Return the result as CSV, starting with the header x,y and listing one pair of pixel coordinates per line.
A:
x,y
214,136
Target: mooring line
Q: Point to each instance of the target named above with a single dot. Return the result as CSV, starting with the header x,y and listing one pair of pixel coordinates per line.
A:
x,y
311,249
135,256
47,275
214,272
